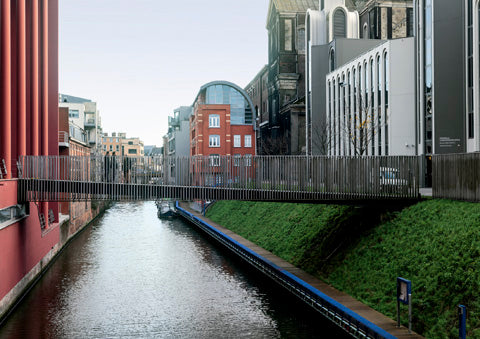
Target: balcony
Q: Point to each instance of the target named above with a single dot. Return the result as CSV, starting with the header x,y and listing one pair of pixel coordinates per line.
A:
x,y
173,122
78,134
63,139
90,121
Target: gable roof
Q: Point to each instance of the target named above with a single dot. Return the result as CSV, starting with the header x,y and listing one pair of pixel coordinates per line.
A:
x,y
295,5
290,6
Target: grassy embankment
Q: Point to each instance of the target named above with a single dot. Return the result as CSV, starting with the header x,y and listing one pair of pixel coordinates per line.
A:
x,y
361,251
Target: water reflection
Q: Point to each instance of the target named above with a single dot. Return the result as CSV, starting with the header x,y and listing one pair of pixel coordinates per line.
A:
x,y
132,275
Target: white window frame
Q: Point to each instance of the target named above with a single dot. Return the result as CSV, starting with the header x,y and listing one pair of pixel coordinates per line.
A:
x,y
214,121
248,160
214,160
214,140
236,160
237,140
248,140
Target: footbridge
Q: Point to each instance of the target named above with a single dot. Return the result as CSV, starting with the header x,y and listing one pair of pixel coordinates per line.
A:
x,y
313,179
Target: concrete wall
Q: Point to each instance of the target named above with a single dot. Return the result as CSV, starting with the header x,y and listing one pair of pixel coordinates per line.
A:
x,y
182,139
402,97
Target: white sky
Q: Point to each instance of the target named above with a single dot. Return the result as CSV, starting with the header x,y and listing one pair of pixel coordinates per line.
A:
x,y
140,59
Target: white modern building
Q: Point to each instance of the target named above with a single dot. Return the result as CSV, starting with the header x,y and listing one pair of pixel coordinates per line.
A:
x,y
84,113
371,102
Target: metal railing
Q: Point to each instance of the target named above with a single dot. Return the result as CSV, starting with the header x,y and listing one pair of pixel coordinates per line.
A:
x,y
456,176
63,137
265,178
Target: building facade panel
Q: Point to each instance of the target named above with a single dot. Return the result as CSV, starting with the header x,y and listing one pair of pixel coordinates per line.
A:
x,y
371,103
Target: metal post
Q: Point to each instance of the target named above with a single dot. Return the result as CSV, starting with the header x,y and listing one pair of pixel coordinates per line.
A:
x,y
410,313
462,318
398,313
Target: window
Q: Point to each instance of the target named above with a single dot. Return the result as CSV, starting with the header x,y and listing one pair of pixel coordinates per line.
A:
x,y
301,40
288,35
111,148
214,121
248,141
214,160
132,151
248,160
339,24
130,142
332,60
12,214
386,80
237,141
104,147
117,148
73,113
236,160
214,141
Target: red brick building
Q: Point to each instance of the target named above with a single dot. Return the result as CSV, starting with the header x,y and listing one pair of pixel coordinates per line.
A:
x,y
223,121
223,124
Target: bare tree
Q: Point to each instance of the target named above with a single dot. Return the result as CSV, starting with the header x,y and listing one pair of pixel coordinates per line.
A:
x,y
358,132
321,138
274,146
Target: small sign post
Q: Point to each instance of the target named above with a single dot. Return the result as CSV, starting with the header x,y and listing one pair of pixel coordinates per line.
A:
x,y
404,296
462,318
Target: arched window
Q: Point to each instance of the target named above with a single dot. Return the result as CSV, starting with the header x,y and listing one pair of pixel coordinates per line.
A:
x,y
355,114
379,103
329,117
372,105
386,85
360,111
349,115
332,60
344,114
339,24
334,116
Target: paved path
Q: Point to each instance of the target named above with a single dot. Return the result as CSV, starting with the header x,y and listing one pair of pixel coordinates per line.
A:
x,y
361,309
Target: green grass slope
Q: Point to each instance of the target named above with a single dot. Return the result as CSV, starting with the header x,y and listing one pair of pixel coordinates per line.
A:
x,y
361,251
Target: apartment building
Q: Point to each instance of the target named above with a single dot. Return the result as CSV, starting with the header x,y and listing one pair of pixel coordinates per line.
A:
x,y
178,134
119,144
84,114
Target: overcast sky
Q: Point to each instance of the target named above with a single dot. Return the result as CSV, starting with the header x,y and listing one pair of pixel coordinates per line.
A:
x,y
140,59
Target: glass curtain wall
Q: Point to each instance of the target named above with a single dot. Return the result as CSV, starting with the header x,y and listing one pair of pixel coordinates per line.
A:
x,y
240,110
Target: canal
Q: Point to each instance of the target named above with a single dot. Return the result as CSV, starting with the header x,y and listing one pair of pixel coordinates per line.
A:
x,y
132,275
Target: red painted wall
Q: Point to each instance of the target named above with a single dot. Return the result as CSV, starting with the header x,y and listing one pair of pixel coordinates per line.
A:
x,y
29,124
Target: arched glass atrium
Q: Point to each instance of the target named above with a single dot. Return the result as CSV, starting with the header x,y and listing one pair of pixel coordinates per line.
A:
x,y
223,93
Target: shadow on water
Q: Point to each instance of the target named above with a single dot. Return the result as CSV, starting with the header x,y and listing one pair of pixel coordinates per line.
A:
x,y
132,275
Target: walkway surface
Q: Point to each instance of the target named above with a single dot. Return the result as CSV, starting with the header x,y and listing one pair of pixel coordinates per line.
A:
x,y
356,306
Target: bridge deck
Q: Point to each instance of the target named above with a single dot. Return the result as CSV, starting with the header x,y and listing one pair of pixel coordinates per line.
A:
x,y
61,190
265,178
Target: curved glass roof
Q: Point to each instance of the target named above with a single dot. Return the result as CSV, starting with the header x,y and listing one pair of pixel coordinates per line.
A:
x,y
225,93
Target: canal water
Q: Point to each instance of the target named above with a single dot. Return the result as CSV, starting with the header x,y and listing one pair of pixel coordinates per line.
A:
x,y
131,275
